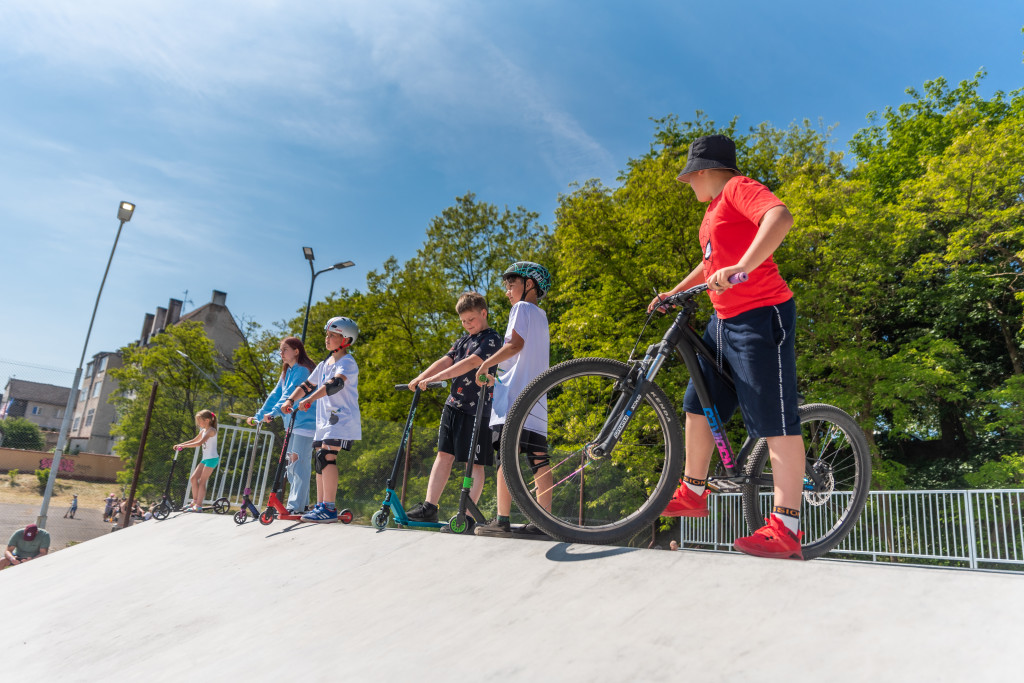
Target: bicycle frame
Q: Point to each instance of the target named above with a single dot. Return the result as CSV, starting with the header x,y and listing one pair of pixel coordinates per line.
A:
x,y
689,346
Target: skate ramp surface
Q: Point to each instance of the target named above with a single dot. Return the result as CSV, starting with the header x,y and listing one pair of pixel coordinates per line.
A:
x,y
196,596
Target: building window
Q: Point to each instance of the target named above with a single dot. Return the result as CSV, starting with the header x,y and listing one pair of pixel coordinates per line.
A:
x,y
60,413
103,364
88,370
74,427
88,417
96,389
35,410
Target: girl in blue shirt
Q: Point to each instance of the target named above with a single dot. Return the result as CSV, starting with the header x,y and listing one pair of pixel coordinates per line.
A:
x,y
295,368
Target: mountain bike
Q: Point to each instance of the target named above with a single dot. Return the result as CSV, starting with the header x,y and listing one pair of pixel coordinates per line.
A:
x,y
615,443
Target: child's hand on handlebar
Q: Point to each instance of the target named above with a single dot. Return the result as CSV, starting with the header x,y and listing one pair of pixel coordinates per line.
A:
x,y
304,406
287,406
725,278
656,303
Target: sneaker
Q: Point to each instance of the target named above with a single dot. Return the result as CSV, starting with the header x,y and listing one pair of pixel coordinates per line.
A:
x,y
423,512
324,515
686,503
772,540
530,530
493,528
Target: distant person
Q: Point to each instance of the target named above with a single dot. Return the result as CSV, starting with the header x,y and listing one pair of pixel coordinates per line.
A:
x,y
460,365
26,544
108,507
73,509
206,422
673,545
295,368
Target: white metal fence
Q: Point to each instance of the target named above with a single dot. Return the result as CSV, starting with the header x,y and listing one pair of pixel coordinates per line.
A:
x,y
234,445
980,528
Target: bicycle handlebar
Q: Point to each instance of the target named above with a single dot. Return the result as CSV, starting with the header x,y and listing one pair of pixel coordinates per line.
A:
x,y
679,297
432,385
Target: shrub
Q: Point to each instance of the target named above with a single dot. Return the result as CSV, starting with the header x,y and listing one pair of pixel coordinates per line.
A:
x,y
13,474
42,476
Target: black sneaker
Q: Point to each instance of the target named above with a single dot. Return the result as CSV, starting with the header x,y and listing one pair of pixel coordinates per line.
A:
x,y
495,527
423,512
530,530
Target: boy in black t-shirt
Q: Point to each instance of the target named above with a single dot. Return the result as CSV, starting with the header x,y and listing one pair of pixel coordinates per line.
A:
x,y
460,365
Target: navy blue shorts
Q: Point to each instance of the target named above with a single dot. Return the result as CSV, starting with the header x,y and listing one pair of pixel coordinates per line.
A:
x,y
758,349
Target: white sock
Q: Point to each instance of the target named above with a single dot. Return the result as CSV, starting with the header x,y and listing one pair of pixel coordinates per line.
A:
x,y
695,487
792,522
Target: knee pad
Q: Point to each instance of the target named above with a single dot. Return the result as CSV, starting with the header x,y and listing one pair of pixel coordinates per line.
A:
x,y
538,461
321,461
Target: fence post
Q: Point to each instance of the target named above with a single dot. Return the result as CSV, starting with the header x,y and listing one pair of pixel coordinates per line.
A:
x,y
127,521
972,550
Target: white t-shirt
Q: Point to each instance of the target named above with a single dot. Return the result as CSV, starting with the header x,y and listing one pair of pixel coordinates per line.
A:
x,y
337,416
531,323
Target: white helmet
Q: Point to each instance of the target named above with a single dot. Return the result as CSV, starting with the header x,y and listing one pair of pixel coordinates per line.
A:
x,y
346,327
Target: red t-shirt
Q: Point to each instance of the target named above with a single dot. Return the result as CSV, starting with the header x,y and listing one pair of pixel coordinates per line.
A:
x,y
726,232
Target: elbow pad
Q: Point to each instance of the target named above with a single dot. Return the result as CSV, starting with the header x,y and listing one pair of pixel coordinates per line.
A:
x,y
334,385
307,388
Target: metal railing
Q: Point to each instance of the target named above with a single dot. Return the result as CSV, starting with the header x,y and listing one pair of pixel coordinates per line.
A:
x,y
981,528
234,445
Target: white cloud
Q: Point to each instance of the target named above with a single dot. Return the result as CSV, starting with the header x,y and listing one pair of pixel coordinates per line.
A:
x,y
327,74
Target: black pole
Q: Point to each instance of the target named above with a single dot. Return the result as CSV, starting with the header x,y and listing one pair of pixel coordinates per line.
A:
x,y
309,301
138,459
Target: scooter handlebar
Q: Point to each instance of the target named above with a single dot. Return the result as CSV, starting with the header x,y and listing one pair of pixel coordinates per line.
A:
x,y
432,385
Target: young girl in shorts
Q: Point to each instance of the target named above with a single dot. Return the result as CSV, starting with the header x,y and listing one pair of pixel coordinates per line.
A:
x,y
206,422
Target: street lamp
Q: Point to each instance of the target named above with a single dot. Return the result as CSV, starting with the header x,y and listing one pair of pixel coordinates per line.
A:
x,y
124,214
308,253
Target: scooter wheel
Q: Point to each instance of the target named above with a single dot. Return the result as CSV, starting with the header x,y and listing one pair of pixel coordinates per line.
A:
x,y
240,517
345,516
463,528
379,519
163,511
268,516
221,506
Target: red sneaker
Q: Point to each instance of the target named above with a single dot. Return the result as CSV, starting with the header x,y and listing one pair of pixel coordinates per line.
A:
x,y
772,540
686,503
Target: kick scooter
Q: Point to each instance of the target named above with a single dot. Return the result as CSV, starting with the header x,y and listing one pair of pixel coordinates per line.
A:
x,y
167,504
391,502
275,508
247,507
463,523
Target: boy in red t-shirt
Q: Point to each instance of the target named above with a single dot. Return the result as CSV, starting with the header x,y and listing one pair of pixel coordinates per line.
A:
x,y
752,331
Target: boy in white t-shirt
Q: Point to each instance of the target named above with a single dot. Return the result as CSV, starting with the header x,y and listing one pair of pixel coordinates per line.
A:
x,y
525,355
334,385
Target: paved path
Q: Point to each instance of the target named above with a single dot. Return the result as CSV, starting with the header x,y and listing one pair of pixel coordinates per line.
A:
x,y
197,597
86,525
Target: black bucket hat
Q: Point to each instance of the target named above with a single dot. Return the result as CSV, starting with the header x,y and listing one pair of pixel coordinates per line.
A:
x,y
710,151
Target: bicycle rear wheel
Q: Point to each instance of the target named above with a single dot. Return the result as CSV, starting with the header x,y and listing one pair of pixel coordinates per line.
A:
x,y
838,453
593,500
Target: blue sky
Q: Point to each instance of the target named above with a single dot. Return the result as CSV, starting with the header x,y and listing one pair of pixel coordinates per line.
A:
x,y
244,131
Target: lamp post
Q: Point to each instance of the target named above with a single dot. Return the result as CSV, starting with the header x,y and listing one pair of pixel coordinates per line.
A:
x,y
124,214
308,253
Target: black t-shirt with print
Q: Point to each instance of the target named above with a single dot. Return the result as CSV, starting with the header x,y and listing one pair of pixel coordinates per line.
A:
x,y
465,392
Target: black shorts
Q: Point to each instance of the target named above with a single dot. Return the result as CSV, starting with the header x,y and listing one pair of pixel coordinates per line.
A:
x,y
334,444
529,443
455,433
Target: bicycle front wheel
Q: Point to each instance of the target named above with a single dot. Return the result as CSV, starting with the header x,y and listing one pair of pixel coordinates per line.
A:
x,y
592,499
836,486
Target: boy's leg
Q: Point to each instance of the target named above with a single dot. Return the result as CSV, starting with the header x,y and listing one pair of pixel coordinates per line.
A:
x,y
544,482
439,473
787,454
503,495
690,499
479,475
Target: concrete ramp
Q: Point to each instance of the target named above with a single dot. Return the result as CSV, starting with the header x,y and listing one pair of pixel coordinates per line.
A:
x,y
196,597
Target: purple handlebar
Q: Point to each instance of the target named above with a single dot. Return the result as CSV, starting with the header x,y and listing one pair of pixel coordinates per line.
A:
x,y
737,278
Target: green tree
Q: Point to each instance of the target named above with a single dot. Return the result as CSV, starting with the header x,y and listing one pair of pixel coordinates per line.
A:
x,y
17,432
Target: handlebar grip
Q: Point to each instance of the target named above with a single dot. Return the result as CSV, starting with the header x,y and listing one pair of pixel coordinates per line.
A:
x,y
739,277
431,385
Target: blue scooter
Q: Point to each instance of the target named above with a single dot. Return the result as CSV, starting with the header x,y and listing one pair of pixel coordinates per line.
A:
x,y
391,502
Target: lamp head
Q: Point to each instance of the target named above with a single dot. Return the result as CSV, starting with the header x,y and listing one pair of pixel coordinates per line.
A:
x,y
343,264
308,253
125,211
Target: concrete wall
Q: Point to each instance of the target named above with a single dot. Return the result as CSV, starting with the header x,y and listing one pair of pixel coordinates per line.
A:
x,y
88,466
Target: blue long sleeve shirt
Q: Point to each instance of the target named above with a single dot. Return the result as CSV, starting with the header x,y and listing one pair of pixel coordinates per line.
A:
x,y
295,376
